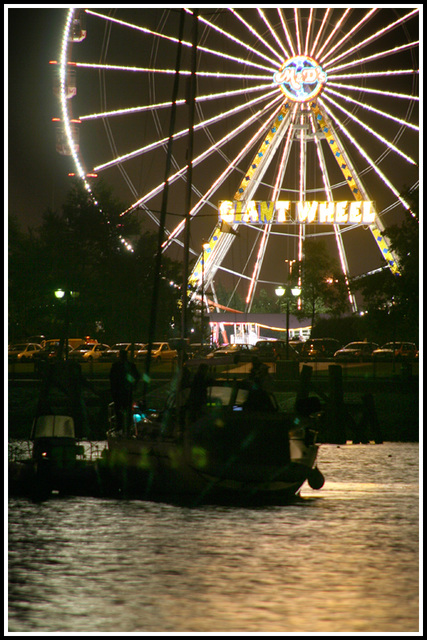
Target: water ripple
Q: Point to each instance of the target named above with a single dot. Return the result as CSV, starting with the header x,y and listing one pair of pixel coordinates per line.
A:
x,y
344,559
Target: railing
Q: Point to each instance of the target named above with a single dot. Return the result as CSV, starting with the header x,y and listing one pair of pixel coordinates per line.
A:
x,y
404,369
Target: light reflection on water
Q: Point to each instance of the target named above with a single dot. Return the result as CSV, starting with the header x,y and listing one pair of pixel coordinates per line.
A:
x,y
344,559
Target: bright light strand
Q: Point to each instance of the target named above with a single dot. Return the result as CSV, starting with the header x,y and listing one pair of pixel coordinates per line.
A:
x,y
163,105
378,92
322,26
347,35
217,183
232,38
367,157
376,56
307,37
286,30
180,134
273,33
364,105
206,153
255,33
334,30
366,127
374,36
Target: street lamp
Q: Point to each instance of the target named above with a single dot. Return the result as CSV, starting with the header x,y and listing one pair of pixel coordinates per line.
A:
x,y
288,292
205,247
59,294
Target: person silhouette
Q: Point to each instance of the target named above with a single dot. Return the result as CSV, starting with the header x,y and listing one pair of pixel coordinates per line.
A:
x,y
124,377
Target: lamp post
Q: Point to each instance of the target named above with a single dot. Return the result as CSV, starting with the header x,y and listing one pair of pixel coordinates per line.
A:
x,y
205,246
60,293
288,292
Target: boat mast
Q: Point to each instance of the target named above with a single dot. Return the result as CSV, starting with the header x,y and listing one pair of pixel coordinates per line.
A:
x,y
163,211
191,104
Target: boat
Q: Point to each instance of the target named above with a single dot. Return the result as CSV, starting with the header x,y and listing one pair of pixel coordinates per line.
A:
x,y
58,463
225,441
62,460
234,447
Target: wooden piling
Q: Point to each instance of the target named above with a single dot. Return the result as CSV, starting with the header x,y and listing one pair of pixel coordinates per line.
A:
x,y
370,418
304,382
336,415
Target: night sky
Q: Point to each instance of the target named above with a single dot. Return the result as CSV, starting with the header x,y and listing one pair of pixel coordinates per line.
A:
x,y
37,174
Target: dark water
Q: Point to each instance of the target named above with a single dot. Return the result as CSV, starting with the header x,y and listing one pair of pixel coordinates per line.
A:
x,y
343,560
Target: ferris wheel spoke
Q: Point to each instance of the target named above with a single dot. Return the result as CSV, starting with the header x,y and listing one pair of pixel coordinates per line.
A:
x,y
366,127
367,157
372,74
222,177
378,92
165,105
182,72
333,32
254,32
273,32
308,34
286,31
136,27
183,132
376,56
350,33
267,228
373,37
338,231
241,61
319,32
203,156
231,37
129,110
364,105
173,39
298,31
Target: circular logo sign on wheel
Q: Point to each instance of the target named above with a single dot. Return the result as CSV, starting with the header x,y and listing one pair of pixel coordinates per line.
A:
x,y
300,78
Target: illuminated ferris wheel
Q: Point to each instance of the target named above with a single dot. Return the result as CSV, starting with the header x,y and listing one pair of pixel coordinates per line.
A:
x,y
306,126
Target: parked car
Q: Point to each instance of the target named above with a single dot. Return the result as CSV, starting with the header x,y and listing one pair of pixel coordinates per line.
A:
x,y
22,352
236,352
160,352
272,350
400,350
319,348
113,352
88,351
48,353
297,345
196,350
40,339
356,351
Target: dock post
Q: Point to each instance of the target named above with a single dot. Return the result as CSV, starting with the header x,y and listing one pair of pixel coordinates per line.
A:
x,y
335,410
370,418
304,382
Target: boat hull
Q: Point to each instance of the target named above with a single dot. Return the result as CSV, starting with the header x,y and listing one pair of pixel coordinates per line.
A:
x,y
238,460
39,480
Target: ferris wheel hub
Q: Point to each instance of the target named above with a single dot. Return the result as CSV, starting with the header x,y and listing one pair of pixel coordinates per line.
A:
x,y
300,78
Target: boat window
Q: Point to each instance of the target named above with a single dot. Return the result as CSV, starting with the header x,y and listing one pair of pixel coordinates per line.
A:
x,y
218,396
242,396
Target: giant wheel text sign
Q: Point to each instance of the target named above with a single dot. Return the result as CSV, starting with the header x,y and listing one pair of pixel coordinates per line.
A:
x,y
295,212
